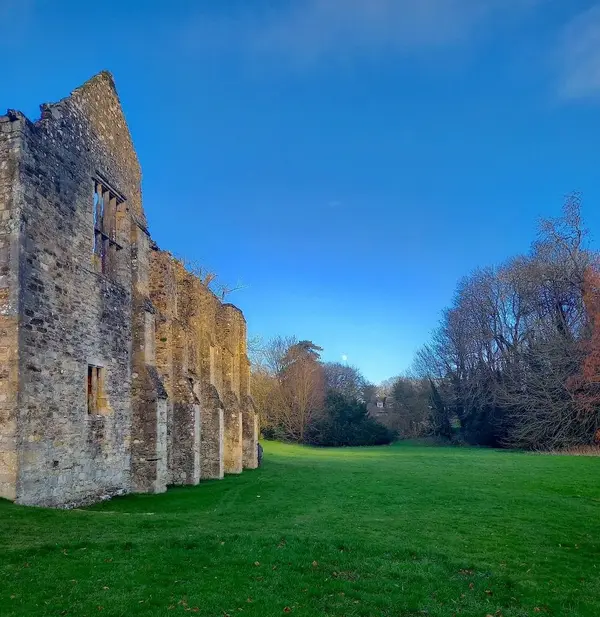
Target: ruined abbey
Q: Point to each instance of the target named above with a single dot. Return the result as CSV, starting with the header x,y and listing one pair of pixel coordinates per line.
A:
x,y
119,370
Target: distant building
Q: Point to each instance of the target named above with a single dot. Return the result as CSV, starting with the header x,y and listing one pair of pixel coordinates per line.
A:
x,y
380,407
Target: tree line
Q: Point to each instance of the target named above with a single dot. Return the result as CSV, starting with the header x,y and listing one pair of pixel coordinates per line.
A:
x,y
515,359
300,398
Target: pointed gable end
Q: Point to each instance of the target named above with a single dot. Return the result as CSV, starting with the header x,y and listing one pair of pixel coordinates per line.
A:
x,y
92,119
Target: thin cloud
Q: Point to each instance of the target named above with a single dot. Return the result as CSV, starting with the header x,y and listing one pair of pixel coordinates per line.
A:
x,y
580,56
321,27
306,31
310,30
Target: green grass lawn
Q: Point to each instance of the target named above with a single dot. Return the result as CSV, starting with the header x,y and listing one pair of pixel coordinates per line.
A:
x,y
392,531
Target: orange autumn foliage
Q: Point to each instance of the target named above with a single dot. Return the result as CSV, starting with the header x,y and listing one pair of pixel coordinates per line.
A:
x,y
586,385
591,299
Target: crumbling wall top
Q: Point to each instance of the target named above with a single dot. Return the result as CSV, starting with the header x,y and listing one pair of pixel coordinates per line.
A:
x,y
102,81
236,309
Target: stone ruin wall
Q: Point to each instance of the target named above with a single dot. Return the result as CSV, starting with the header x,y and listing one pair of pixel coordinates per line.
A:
x,y
69,315
9,314
200,355
174,406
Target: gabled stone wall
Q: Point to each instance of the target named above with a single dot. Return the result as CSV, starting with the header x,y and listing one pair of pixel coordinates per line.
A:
x,y
119,370
70,315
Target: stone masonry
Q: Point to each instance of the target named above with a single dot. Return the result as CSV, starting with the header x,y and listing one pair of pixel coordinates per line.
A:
x,y
119,370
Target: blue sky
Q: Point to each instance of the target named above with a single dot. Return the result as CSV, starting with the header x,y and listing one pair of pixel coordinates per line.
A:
x,y
347,160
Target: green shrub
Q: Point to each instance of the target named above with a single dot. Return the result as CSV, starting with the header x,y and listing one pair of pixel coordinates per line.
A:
x,y
345,422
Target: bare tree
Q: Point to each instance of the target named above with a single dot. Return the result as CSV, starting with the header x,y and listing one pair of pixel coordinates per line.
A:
x,y
411,415
288,385
222,290
193,266
302,390
267,363
265,392
209,278
272,354
347,381
506,352
385,387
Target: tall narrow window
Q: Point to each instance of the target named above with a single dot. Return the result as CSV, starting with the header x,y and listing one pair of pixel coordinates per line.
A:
x,y
212,367
150,338
236,373
96,400
106,203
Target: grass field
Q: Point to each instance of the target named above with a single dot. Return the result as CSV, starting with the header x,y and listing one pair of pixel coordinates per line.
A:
x,y
392,531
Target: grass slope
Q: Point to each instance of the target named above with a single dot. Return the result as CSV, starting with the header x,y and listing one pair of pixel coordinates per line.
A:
x,y
392,531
